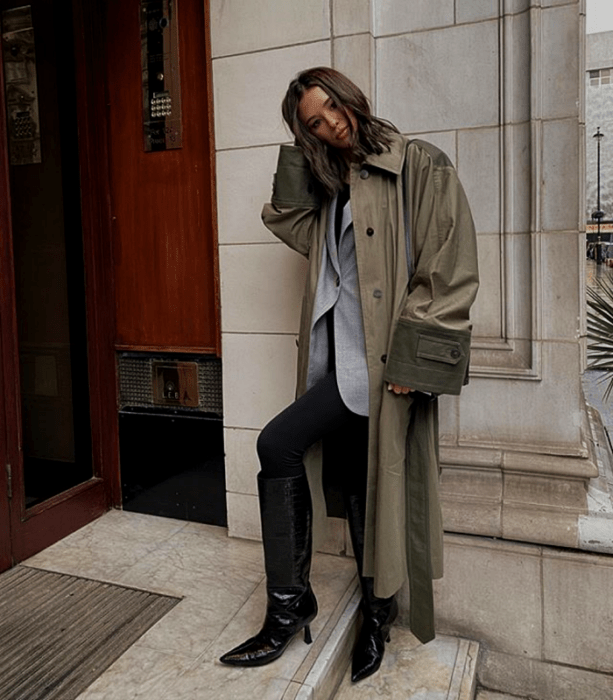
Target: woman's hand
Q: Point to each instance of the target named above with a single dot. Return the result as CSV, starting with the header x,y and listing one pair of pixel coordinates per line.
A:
x,y
397,389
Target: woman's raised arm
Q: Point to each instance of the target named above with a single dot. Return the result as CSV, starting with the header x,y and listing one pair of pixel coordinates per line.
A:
x,y
293,211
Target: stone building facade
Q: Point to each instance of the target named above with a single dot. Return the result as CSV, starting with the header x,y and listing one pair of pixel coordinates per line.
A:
x,y
498,85
599,114
178,281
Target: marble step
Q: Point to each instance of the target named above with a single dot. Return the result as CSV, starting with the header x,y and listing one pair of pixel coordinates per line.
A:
x,y
444,669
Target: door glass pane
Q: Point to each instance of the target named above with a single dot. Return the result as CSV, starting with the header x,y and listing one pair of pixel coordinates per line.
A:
x,y
47,242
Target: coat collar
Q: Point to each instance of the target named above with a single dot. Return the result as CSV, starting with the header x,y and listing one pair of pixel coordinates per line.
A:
x,y
391,160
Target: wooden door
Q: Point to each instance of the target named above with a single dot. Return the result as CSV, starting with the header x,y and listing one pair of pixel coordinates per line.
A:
x,y
59,457
164,237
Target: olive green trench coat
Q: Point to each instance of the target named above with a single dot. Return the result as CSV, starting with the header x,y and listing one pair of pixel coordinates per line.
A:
x,y
417,334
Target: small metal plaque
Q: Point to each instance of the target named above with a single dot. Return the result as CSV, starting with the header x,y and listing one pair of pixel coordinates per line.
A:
x,y
19,59
175,383
162,118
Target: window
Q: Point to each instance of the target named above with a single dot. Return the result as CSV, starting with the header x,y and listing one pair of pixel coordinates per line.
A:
x,y
601,77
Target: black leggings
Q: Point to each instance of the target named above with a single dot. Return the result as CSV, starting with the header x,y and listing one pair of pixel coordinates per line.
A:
x,y
317,413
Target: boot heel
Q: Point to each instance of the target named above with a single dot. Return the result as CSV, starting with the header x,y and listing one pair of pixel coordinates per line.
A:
x,y
307,635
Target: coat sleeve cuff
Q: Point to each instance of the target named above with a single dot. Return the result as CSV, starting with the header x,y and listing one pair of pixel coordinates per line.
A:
x,y
427,358
294,185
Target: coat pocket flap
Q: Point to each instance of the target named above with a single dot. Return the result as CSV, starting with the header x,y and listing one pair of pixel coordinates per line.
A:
x,y
439,349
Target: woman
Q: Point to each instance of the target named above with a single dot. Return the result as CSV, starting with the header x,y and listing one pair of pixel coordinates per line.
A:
x,y
392,274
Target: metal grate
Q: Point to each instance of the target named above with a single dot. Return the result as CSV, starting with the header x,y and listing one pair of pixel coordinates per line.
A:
x,y
58,633
136,382
209,386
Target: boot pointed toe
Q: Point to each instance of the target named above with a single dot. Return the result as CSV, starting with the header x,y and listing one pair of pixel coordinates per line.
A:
x,y
363,672
232,658
253,652
270,643
240,655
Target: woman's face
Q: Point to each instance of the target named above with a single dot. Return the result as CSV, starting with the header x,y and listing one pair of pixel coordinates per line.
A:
x,y
326,120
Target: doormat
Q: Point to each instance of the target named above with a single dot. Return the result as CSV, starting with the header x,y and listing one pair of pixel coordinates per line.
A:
x,y
58,633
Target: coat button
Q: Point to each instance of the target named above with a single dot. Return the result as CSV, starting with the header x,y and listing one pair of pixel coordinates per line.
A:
x,y
384,358
377,294
455,353
364,174
370,231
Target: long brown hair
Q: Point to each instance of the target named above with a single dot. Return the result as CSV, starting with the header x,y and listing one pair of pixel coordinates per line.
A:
x,y
371,136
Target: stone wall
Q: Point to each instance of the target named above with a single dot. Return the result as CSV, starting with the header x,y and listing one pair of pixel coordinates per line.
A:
x,y
541,615
257,48
497,85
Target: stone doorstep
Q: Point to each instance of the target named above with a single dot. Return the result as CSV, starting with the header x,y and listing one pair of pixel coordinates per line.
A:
x,y
596,528
446,668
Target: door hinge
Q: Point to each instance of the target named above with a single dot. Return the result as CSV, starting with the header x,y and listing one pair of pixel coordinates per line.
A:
x,y
9,481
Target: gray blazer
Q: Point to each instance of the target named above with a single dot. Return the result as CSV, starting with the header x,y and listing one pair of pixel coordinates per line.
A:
x,y
338,289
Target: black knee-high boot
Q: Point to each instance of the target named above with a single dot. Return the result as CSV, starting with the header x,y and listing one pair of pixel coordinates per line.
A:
x,y
378,614
287,515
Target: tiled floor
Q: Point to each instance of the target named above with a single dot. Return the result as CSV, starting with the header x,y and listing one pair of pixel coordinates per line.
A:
x,y
221,581
222,585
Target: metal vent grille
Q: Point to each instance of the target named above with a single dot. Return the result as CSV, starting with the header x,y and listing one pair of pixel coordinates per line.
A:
x,y
209,385
136,382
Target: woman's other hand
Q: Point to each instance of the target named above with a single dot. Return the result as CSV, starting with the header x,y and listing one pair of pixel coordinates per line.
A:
x,y
397,389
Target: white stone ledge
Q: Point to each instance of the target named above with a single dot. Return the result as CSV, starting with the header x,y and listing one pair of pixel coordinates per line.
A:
x,y
521,462
595,530
528,496
596,533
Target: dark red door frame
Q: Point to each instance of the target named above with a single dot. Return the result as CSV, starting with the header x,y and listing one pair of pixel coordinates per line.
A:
x,y
5,538
8,331
33,529
91,78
